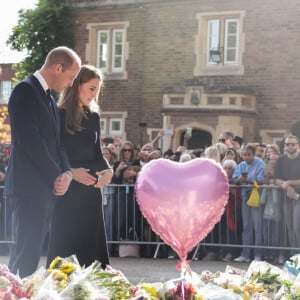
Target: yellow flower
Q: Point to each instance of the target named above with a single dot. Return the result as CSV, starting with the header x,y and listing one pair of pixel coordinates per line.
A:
x,y
253,288
55,262
67,268
246,296
150,289
58,275
120,295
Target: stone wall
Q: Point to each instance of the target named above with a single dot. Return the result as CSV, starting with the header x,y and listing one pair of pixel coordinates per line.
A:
x,y
161,54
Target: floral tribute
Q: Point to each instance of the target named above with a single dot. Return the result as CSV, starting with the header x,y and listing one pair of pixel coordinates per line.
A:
x,y
11,286
67,280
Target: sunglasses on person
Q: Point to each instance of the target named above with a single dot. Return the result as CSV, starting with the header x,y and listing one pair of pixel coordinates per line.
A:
x,y
222,140
127,150
290,144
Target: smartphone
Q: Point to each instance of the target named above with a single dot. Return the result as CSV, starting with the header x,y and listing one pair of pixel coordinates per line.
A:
x,y
168,131
189,131
244,174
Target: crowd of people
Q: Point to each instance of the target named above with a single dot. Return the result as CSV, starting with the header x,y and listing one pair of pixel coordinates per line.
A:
x,y
64,180
261,230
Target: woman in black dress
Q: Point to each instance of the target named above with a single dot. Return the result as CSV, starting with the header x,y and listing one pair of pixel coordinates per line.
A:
x,y
78,225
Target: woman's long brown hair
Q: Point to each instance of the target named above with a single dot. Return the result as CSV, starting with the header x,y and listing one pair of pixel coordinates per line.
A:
x,y
69,99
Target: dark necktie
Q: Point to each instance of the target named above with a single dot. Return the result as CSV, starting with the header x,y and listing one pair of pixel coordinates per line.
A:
x,y
50,101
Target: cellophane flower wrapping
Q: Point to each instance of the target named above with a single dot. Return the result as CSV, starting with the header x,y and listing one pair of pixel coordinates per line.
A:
x,y
11,285
65,279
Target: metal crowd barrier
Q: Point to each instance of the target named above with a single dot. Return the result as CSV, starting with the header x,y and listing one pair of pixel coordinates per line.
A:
x,y
126,224
123,216
6,220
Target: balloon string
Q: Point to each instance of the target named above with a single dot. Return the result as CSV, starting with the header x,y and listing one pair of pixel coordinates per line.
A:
x,y
185,268
182,275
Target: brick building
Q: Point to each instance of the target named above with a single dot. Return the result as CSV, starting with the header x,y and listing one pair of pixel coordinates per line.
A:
x,y
210,65
6,75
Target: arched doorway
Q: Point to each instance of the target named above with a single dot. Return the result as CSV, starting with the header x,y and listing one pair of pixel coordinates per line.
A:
x,y
200,139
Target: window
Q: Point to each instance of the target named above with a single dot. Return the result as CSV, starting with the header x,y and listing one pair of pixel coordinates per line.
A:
x,y
110,57
107,48
115,126
113,123
220,44
231,41
103,125
277,140
223,37
213,38
5,91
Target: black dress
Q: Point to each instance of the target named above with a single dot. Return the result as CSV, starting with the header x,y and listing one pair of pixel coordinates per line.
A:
x,y
77,224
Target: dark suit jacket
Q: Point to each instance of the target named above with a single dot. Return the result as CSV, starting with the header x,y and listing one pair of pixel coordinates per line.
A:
x,y
37,156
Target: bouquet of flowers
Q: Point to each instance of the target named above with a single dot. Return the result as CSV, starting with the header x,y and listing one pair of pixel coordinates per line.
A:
x,y
11,287
67,280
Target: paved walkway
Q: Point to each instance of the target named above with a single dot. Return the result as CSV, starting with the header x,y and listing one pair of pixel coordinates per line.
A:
x,y
153,270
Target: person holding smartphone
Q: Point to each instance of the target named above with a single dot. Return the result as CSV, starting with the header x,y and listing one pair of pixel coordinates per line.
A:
x,y
126,207
250,169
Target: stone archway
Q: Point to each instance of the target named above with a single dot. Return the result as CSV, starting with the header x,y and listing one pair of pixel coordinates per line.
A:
x,y
200,139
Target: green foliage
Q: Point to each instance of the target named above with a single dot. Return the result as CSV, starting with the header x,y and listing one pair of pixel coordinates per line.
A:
x,y
38,31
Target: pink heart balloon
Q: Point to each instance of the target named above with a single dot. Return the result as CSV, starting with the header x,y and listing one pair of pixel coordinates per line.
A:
x,y
182,201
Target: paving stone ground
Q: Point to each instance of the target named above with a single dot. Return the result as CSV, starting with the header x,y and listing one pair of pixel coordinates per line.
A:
x,y
154,270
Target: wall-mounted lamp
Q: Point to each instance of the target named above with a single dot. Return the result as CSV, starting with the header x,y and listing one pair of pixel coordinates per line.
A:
x,y
215,56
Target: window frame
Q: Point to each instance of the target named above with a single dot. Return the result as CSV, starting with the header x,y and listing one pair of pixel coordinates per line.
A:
x,y
221,35
226,34
115,132
103,127
110,50
209,38
113,51
204,43
104,69
5,90
93,49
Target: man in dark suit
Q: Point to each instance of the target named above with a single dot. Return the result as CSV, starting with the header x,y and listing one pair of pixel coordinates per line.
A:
x,y
38,168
